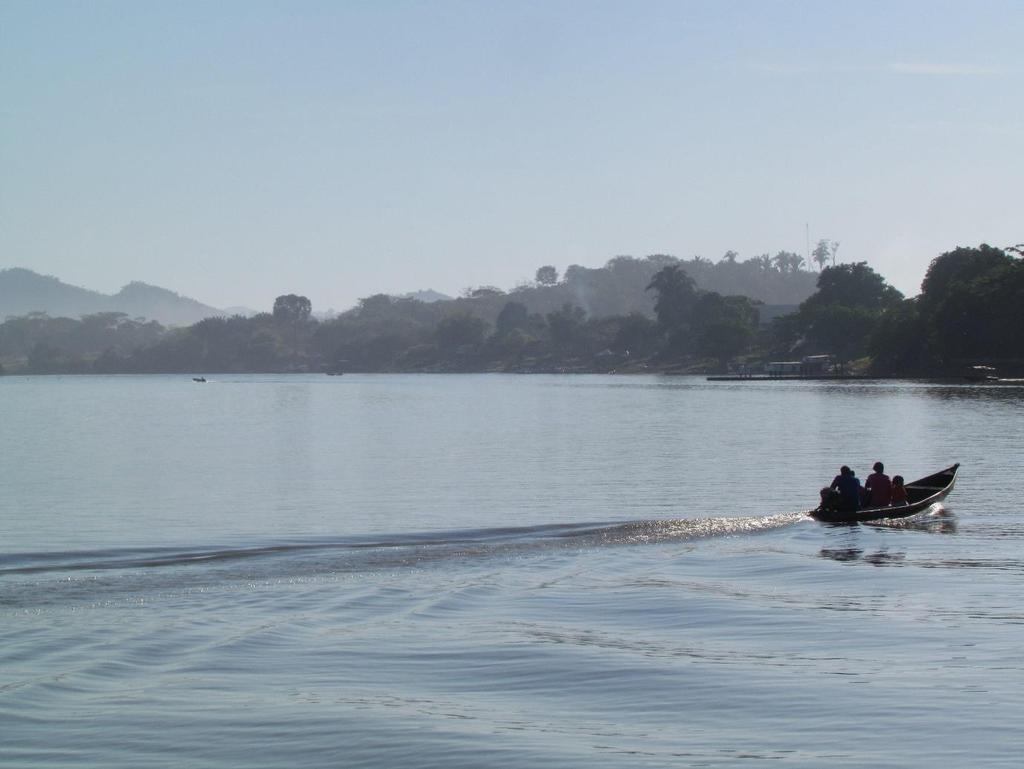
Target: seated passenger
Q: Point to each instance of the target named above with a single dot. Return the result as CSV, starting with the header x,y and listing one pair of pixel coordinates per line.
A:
x,y
899,492
849,489
878,488
830,499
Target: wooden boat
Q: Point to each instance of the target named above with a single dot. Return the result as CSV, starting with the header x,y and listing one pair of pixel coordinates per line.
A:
x,y
921,494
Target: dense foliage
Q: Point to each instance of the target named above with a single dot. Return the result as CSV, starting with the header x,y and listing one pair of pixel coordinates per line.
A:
x,y
55,345
970,312
631,315
841,318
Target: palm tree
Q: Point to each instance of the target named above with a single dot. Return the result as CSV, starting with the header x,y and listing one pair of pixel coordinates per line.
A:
x,y
786,261
821,253
676,294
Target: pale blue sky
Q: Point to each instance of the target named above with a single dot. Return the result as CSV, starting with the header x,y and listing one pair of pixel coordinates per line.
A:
x,y
233,151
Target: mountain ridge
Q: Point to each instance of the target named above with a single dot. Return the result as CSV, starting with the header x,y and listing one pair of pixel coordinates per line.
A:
x,y
23,291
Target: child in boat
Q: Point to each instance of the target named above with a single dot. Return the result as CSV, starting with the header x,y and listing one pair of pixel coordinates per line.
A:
x,y
899,491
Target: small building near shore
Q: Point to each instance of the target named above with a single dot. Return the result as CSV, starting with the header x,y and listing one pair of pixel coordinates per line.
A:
x,y
809,365
783,368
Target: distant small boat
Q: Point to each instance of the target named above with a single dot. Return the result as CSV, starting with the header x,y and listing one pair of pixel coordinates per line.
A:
x,y
921,494
982,374
198,379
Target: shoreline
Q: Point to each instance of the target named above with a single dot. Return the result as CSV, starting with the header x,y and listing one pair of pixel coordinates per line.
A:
x,y
936,379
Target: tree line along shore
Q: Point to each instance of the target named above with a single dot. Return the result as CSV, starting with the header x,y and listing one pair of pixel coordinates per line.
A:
x,y
657,314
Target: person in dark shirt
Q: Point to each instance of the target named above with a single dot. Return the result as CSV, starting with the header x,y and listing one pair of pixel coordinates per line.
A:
x,y
849,489
878,488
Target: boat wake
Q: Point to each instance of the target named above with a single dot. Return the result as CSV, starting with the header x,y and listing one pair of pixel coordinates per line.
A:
x,y
405,549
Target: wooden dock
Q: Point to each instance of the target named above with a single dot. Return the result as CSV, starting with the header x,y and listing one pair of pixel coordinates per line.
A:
x,y
787,378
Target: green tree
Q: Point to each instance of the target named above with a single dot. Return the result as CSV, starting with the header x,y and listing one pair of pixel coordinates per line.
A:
x,y
377,305
843,331
293,312
676,295
547,275
512,316
788,262
724,325
954,269
565,327
897,344
972,306
110,361
853,285
460,330
292,309
262,351
43,358
46,359
842,316
513,346
824,251
636,335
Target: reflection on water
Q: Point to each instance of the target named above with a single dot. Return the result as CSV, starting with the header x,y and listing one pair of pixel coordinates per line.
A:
x,y
842,554
878,558
1010,394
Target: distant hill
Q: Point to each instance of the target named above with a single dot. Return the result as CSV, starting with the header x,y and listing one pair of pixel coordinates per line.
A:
x,y
23,291
620,287
171,309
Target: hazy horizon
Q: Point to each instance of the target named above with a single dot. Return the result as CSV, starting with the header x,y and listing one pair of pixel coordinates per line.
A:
x,y
232,153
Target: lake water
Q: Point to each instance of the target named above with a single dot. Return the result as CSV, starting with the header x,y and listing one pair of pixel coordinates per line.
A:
x,y
502,571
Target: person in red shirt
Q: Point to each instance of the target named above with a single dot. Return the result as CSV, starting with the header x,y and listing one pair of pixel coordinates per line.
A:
x,y
899,491
878,488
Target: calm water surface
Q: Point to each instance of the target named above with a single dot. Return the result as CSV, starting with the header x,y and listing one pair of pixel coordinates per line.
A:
x,y
467,571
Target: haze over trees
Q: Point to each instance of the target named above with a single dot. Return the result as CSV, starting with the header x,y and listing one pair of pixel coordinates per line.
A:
x,y
630,315
64,345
